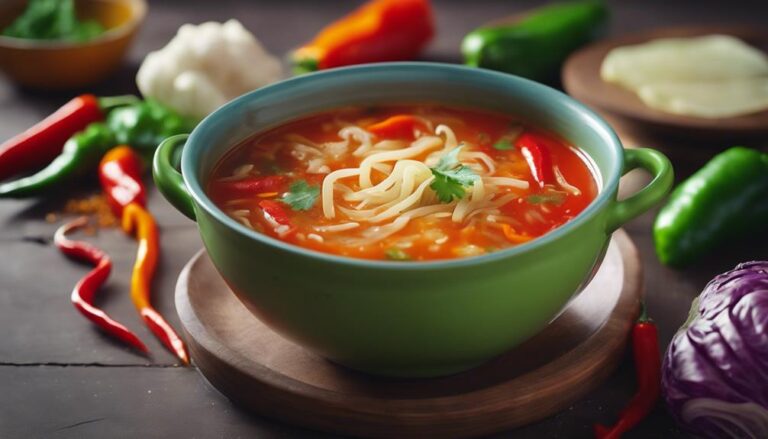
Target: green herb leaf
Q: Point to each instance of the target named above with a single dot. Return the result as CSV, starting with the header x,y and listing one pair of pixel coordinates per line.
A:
x,y
451,177
397,254
554,197
301,196
52,20
507,142
503,145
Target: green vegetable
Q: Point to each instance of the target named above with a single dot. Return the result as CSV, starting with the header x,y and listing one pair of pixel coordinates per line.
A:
x,y
451,177
305,65
552,197
144,124
52,20
724,200
301,196
81,153
503,145
396,254
536,46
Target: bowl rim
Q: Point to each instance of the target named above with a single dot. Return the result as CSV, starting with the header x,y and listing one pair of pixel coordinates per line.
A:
x,y
595,122
138,7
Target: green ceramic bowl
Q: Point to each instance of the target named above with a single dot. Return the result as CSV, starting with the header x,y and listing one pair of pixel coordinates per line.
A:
x,y
419,318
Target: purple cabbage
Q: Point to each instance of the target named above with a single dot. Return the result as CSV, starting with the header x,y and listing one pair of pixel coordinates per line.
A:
x,y
715,372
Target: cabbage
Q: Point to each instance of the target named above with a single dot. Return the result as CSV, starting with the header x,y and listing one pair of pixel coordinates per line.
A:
x,y
715,372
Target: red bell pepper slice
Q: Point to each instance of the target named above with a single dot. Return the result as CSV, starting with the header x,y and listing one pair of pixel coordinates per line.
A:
x,y
538,158
252,185
275,210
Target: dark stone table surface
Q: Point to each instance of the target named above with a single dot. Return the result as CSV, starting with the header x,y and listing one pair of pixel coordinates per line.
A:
x,y
60,378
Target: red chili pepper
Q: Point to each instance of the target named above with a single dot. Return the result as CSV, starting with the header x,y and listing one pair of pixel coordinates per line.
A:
x,y
380,30
40,144
276,211
538,158
645,347
120,176
85,290
253,185
396,127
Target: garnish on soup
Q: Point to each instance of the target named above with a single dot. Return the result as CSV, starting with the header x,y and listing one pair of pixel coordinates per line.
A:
x,y
404,183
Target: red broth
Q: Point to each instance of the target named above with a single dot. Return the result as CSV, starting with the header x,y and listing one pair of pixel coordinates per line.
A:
x,y
501,183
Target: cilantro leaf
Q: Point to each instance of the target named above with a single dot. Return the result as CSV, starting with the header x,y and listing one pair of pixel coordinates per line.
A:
x,y
451,177
301,196
396,254
506,143
554,197
503,145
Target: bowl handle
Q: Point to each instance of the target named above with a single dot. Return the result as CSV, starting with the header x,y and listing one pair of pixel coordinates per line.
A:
x,y
659,166
168,179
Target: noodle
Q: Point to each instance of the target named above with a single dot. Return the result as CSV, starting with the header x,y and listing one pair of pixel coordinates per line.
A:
x,y
564,184
427,185
337,227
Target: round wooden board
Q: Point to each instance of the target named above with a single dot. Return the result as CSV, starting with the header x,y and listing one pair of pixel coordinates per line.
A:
x,y
258,369
581,79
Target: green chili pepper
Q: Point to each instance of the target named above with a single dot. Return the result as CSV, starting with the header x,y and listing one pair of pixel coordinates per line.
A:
x,y
724,200
81,153
536,46
143,125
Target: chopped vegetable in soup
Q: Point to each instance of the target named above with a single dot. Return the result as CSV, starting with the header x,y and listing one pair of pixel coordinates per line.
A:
x,y
404,183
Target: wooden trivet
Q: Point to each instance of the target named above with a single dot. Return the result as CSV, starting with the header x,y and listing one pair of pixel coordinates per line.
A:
x,y
263,372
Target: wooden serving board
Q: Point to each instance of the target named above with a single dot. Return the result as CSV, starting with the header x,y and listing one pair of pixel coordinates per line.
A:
x,y
258,369
581,79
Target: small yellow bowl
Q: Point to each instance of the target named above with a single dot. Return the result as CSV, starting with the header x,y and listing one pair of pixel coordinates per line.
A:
x,y
64,65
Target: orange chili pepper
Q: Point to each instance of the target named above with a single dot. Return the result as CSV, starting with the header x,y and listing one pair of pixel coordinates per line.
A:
x,y
380,30
137,219
512,235
399,126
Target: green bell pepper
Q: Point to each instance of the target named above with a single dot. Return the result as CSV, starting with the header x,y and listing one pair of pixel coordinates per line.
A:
x,y
724,200
81,153
536,46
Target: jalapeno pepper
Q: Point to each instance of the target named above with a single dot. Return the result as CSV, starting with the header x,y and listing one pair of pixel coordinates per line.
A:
x,y
722,201
40,144
537,45
142,124
85,290
80,154
380,30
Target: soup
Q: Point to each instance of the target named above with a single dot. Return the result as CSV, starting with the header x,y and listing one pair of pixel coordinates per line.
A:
x,y
404,183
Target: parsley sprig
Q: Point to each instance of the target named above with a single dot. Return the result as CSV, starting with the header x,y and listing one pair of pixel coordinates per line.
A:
x,y
301,196
451,177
